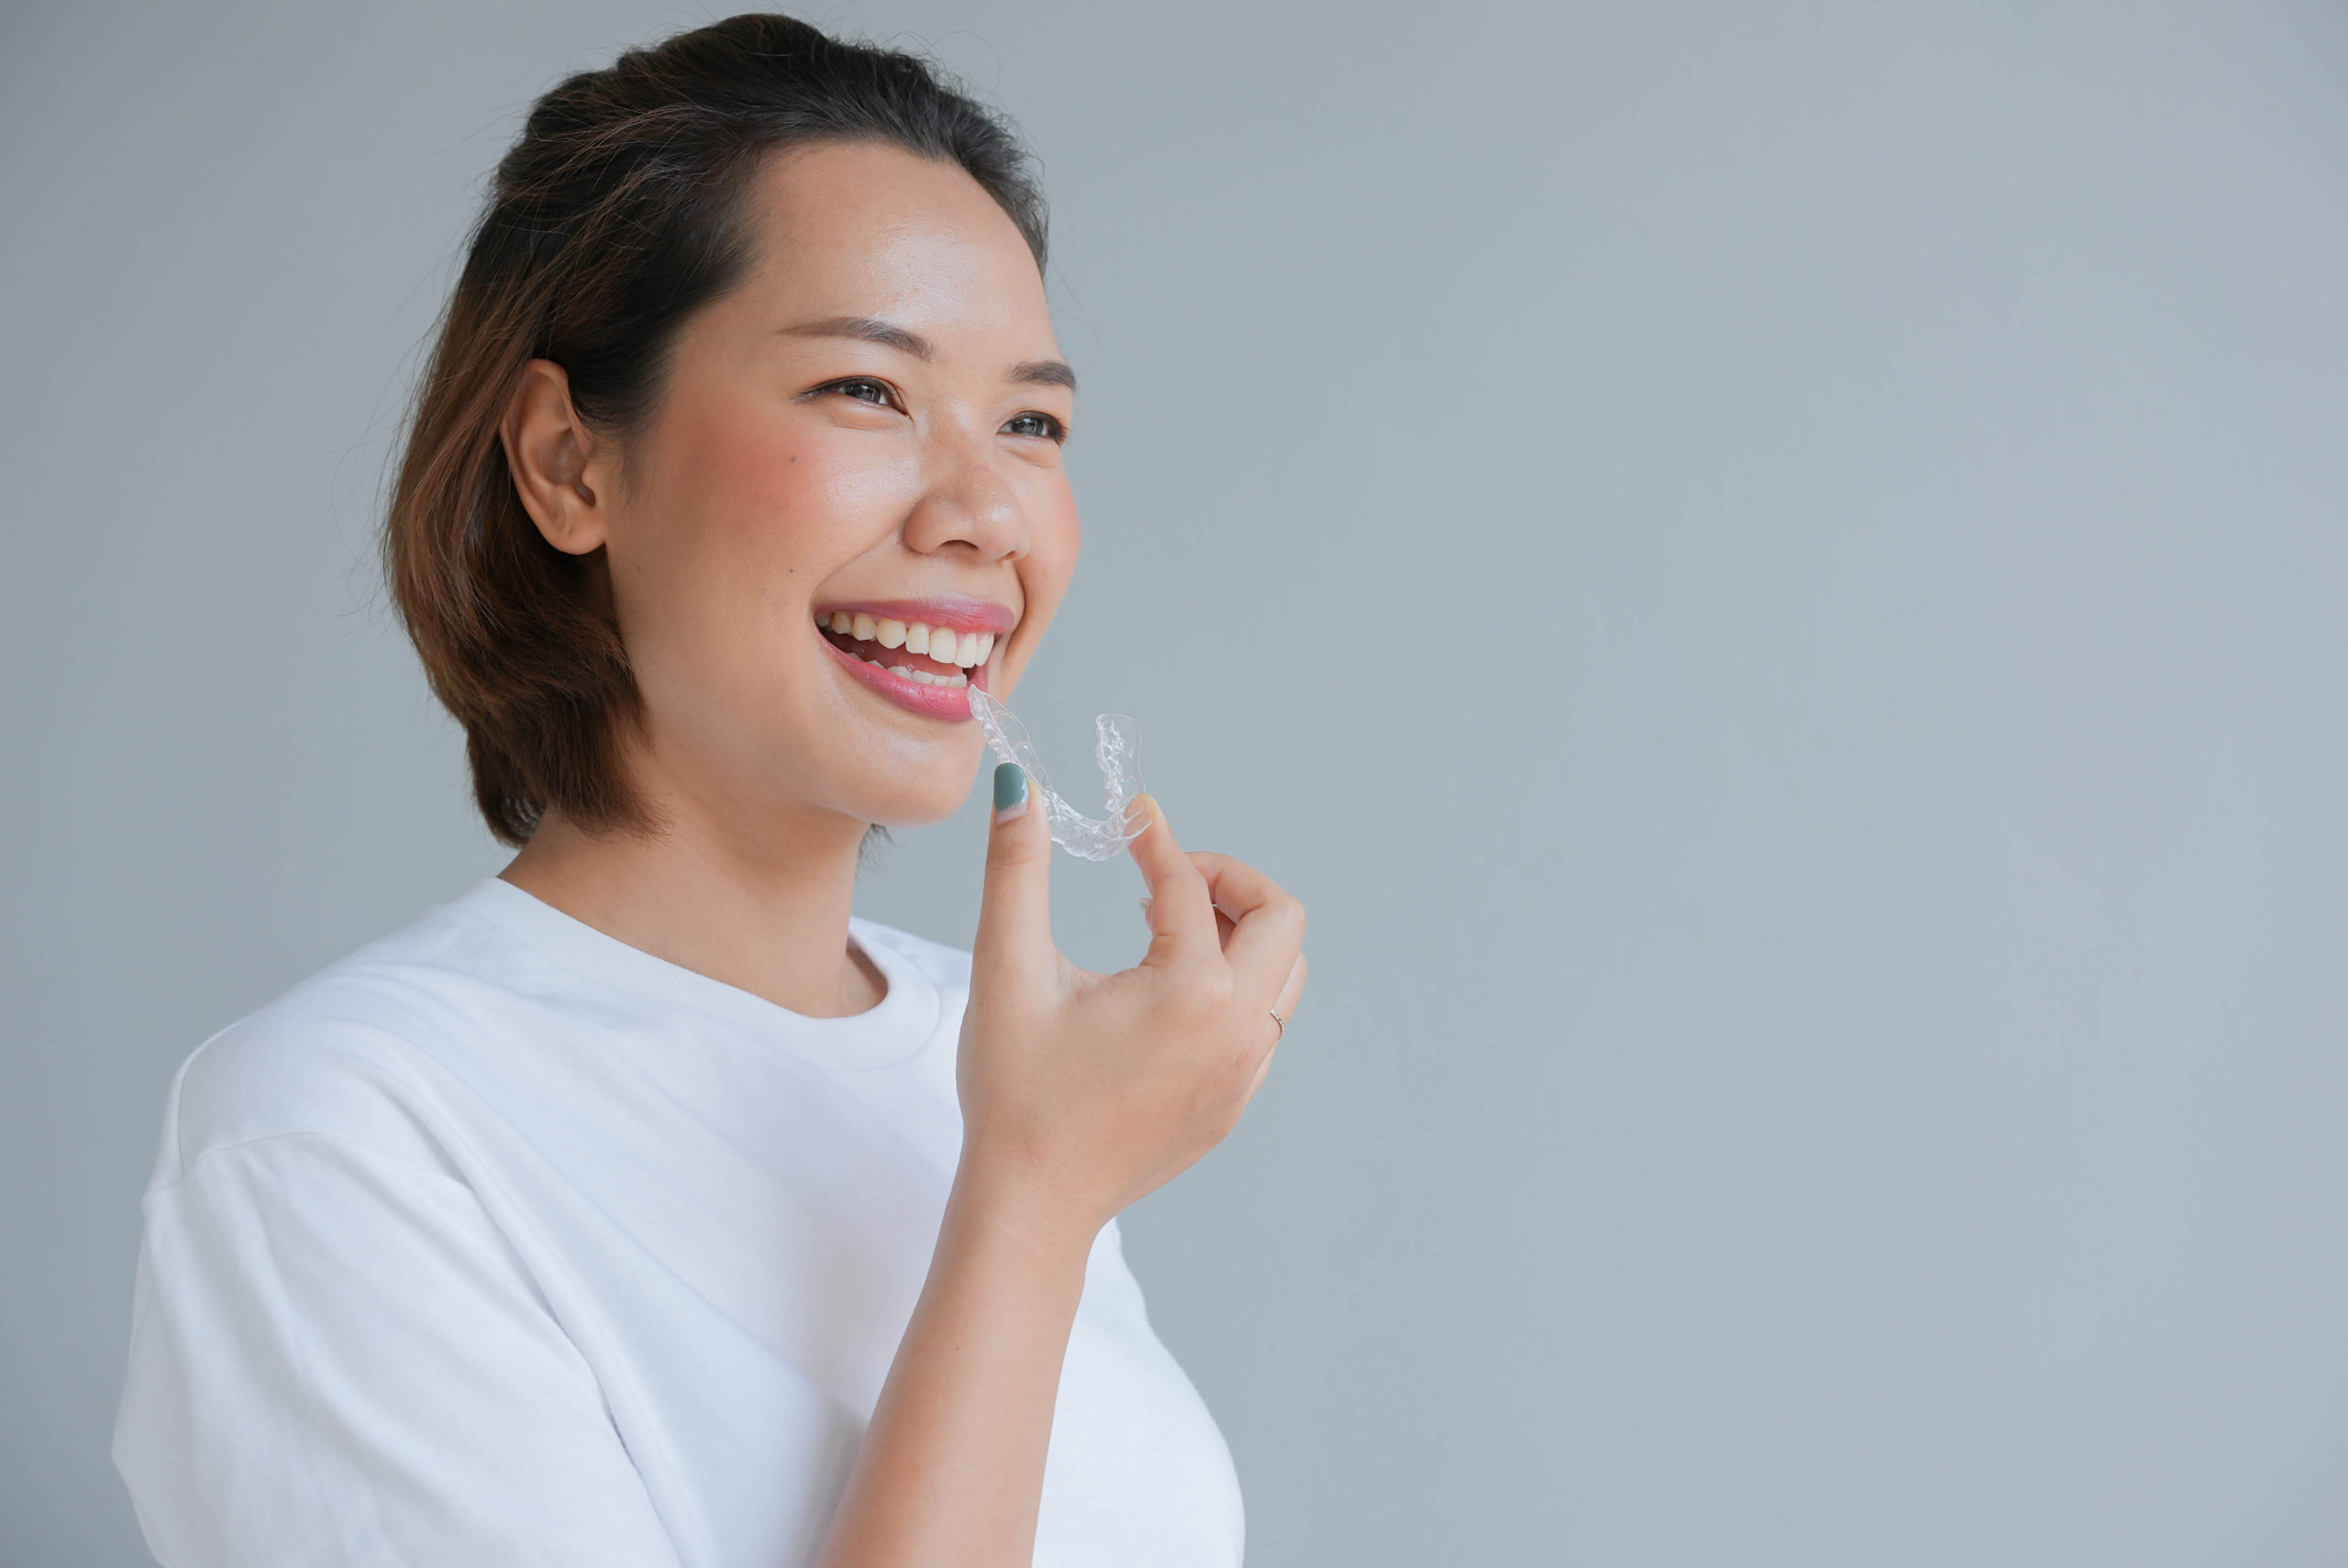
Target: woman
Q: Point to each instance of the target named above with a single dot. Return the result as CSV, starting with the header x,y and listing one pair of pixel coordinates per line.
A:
x,y
623,1211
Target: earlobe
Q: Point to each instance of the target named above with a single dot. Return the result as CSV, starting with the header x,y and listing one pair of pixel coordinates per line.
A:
x,y
549,449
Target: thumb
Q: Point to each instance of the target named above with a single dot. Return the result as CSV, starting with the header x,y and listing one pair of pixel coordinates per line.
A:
x,y
1016,913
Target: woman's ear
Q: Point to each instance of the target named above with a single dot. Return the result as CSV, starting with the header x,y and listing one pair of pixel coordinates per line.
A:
x,y
552,455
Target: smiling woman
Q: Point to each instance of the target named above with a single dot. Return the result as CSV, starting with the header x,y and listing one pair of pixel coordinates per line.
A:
x,y
643,1205
871,378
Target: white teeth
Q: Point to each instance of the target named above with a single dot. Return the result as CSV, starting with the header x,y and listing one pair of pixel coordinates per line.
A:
x,y
924,676
940,643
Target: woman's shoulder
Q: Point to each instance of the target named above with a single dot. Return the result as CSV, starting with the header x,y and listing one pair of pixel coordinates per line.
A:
x,y
345,1054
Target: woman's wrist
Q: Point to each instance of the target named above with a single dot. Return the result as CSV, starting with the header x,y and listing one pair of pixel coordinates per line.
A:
x,y
1024,1209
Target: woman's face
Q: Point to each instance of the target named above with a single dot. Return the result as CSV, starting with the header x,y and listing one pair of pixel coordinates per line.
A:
x,y
865,435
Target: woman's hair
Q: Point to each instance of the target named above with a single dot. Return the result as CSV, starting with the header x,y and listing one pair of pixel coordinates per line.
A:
x,y
616,216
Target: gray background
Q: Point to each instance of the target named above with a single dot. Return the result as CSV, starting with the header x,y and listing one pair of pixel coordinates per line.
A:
x,y
1826,1041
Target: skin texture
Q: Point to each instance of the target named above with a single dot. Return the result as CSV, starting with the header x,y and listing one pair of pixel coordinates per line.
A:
x,y
783,470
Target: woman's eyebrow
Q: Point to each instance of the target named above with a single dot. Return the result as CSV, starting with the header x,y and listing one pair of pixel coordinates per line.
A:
x,y
1045,373
889,335
868,329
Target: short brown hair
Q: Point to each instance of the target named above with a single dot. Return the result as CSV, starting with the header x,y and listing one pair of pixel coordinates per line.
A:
x,y
617,214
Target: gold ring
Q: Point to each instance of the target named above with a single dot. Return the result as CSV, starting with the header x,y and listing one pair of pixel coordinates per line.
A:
x,y
1279,1022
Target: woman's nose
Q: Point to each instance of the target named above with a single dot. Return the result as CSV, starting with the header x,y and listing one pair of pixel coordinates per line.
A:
x,y
968,501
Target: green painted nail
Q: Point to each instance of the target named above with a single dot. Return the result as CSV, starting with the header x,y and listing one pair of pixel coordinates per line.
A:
x,y
1010,789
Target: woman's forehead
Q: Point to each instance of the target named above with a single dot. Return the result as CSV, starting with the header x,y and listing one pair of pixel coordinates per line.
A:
x,y
862,230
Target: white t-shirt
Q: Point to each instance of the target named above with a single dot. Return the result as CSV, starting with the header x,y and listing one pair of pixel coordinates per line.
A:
x,y
502,1242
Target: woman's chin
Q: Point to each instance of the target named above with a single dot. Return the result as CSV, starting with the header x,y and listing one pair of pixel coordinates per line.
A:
x,y
912,803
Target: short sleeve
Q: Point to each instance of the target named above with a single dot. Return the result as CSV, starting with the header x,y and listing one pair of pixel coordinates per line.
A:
x,y
337,1359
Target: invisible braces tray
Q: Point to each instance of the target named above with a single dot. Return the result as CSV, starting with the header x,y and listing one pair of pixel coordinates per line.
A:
x,y
1118,751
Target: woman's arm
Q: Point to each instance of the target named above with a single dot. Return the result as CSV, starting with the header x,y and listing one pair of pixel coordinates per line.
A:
x,y
1080,1093
952,1467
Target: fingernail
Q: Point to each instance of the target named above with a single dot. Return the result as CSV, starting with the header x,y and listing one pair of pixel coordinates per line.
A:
x,y
1010,790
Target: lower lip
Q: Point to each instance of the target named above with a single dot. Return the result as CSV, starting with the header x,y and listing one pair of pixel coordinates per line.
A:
x,y
951,702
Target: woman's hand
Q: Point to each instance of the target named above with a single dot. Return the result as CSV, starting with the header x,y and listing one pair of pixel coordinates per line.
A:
x,y
1083,1092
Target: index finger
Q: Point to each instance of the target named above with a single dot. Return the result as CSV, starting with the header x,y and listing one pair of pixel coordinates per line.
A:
x,y
1267,922
1182,917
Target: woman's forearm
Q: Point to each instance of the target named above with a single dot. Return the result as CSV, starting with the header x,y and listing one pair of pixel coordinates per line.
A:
x,y
952,1466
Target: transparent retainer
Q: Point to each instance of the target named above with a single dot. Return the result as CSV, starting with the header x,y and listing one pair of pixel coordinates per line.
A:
x,y
1118,751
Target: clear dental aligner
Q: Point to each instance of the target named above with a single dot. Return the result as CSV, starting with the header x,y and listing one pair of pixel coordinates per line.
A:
x,y
1118,751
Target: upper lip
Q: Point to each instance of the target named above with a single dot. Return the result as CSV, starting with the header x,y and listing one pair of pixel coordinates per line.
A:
x,y
951,610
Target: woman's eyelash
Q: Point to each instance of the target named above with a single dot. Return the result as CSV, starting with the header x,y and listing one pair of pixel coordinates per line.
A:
x,y
850,387
1052,429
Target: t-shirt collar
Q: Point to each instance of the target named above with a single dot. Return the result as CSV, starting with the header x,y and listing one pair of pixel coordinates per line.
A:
x,y
895,1028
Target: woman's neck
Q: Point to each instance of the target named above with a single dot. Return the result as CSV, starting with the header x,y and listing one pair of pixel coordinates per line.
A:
x,y
765,911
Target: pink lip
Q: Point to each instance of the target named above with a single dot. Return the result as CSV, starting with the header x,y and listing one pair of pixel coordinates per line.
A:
x,y
951,610
948,702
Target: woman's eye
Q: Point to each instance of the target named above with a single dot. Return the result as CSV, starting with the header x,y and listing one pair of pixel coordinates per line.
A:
x,y
865,390
1041,426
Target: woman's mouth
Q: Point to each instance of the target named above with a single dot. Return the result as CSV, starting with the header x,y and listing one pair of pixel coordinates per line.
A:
x,y
925,665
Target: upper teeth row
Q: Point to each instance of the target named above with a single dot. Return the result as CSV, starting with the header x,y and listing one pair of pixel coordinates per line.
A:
x,y
940,643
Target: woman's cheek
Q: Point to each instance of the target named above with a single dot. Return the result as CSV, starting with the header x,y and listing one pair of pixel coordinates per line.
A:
x,y
843,484
1052,555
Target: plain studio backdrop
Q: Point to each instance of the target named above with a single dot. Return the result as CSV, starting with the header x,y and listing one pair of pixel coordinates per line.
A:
x,y
1772,573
